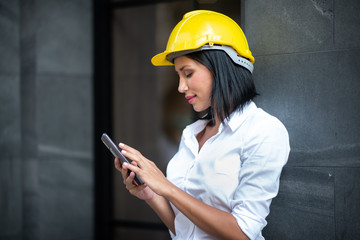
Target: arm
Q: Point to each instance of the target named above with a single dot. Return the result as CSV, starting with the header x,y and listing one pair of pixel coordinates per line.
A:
x,y
218,223
163,209
159,204
263,158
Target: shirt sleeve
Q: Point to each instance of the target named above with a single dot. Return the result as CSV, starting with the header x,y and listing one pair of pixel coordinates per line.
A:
x,y
265,153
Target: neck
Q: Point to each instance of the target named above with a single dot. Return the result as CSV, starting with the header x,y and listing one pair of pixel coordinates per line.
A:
x,y
215,122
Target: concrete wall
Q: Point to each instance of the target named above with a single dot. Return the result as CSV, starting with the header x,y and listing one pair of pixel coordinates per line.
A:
x,y
307,70
46,160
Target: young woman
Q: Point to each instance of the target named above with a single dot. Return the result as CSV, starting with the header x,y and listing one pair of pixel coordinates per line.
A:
x,y
220,183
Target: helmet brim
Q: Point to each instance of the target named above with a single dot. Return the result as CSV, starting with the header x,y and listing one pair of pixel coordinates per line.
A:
x,y
160,60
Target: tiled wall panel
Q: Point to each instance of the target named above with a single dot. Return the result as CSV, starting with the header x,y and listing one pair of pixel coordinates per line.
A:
x,y
307,72
46,162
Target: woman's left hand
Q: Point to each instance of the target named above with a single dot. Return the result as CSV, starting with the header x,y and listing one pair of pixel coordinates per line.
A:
x,y
149,173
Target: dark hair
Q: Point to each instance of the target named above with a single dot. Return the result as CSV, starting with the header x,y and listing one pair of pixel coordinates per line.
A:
x,y
233,85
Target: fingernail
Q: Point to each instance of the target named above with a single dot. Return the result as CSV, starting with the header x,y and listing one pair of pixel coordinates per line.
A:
x,y
125,163
121,144
123,151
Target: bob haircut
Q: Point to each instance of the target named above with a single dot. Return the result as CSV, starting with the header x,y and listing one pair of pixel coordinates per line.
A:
x,y
233,86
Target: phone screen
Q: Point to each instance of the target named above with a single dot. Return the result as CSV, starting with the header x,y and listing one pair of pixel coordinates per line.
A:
x,y
117,153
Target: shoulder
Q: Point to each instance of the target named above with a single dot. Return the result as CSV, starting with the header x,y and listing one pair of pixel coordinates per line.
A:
x,y
265,121
263,126
265,139
252,119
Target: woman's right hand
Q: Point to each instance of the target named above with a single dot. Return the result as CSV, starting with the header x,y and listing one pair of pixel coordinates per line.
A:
x,y
140,191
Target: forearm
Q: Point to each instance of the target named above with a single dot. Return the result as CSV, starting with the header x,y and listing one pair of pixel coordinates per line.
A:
x,y
217,223
162,208
220,224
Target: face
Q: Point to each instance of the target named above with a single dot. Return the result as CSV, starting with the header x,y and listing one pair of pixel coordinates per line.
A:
x,y
195,81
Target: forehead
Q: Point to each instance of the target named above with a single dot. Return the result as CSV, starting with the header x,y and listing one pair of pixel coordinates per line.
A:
x,y
183,62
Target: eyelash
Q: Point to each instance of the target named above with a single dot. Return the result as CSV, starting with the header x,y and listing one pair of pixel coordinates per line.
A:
x,y
188,75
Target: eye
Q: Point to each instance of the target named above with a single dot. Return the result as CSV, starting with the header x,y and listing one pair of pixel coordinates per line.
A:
x,y
188,75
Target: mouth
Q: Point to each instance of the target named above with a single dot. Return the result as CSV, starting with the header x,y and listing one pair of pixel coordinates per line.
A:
x,y
190,99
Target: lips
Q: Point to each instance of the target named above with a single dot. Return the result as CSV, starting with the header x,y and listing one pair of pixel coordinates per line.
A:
x,y
190,99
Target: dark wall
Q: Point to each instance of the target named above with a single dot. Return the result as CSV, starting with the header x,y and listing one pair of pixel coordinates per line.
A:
x,y
307,71
46,159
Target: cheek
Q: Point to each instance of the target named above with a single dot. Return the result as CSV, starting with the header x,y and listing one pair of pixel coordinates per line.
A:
x,y
209,85
207,90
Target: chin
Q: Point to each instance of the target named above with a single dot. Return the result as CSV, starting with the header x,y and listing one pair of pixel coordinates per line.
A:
x,y
199,110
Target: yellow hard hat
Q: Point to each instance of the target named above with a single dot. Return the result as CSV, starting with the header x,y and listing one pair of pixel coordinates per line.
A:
x,y
205,30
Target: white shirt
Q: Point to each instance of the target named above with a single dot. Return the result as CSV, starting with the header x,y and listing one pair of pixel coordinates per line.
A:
x,y
237,170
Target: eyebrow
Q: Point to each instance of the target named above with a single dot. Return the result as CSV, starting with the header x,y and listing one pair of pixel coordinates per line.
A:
x,y
182,68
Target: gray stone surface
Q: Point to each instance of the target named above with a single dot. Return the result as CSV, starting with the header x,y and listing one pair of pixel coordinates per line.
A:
x,y
64,119
66,205
288,26
46,161
304,208
64,106
9,116
11,198
9,40
307,72
316,97
347,34
64,37
347,198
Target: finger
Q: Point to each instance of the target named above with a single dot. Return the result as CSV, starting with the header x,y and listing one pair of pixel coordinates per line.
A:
x,y
137,157
124,172
132,167
129,149
137,188
130,171
135,182
134,163
129,181
117,163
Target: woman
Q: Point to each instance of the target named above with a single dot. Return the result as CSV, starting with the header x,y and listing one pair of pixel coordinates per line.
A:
x,y
220,183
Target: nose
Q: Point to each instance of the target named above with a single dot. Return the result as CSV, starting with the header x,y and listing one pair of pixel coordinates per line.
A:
x,y
182,88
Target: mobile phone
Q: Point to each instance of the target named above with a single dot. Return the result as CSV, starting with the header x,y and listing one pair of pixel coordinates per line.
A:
x,y
117,153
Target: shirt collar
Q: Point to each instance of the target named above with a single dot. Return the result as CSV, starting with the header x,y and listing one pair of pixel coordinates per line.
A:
x,y
239,116
235,120
194,128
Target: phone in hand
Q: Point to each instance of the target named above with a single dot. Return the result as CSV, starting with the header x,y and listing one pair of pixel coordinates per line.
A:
x,y
117,153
